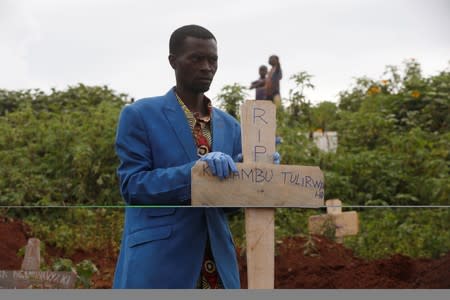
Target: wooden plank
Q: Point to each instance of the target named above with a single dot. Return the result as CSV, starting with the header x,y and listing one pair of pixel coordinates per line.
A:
x,y
258,123
346,223
259,185
36,279
260,243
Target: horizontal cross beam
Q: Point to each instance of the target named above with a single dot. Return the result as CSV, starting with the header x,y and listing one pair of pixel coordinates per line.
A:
x,y
259,185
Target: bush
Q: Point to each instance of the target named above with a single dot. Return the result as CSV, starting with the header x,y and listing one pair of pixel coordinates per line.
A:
x,y
58,149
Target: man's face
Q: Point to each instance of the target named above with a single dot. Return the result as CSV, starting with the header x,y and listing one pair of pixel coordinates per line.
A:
x,y
195,64
262,72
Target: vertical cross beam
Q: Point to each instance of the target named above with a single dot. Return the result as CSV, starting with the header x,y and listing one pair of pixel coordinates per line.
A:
x,y
258,123
334,207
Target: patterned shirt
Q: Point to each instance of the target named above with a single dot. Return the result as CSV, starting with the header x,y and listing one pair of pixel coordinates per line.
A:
x,y
201,130
200,126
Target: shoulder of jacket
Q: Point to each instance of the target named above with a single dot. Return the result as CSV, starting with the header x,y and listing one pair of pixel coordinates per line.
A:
x,y
226,116
147,103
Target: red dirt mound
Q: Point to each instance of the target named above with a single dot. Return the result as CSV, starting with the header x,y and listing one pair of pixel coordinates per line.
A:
x,y
13,236
324,264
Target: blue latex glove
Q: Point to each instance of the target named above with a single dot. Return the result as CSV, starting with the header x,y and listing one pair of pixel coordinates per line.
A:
x,y
220,164
276,158
278,140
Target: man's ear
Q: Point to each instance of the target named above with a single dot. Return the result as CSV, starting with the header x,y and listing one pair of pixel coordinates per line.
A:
x,y
172,60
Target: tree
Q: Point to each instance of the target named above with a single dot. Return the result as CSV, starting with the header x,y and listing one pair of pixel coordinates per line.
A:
x,y
300,106
230,97
324,115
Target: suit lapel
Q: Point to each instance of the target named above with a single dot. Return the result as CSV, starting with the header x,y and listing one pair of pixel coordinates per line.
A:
x,y
217,132
177,120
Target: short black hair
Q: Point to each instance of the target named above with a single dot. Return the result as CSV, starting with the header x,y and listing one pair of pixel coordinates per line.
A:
x,y
179,35
276,57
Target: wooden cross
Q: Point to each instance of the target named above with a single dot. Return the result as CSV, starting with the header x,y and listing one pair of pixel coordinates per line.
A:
x,y
30,275
260,186
341,223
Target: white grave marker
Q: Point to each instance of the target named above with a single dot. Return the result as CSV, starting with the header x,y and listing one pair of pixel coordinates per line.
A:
x,y
345,223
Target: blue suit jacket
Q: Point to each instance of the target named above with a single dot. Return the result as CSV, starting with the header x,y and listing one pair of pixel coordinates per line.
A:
x,y
164,247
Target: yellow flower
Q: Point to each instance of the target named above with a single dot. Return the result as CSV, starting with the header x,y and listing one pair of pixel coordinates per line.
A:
x,y
415,94
385,82
373,90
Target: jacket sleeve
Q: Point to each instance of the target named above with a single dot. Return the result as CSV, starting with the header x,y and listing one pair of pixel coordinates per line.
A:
x,y
140,183
237,144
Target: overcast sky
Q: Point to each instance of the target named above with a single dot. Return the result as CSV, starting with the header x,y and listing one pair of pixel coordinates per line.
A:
x,y
124,44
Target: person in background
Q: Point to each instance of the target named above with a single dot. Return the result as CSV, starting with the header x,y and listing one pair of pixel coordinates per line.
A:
x,y
272,86
259,84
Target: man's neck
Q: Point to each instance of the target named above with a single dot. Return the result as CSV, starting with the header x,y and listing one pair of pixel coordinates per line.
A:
x,y
193,101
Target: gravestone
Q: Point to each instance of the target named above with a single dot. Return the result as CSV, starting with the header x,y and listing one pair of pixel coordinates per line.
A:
x,y
32,257
260,186
342,223
30,275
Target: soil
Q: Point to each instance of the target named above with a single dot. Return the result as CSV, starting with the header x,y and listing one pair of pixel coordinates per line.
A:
x,y
328,265
318,263
13,236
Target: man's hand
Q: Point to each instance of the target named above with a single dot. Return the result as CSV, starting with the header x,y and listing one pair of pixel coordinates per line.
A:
x,y
220,164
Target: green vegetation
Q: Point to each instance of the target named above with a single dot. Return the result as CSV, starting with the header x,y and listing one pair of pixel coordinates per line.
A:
x,y
57,148
423,232
78,228
231,97
394,142
84,270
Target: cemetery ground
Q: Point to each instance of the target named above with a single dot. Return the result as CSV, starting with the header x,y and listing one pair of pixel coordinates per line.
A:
x,y
57,150
301,261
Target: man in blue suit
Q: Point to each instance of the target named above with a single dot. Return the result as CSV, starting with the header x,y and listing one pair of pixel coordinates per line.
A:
x,y
158,141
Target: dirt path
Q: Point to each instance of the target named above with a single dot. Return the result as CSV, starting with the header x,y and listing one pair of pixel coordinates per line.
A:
x,y
325,264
